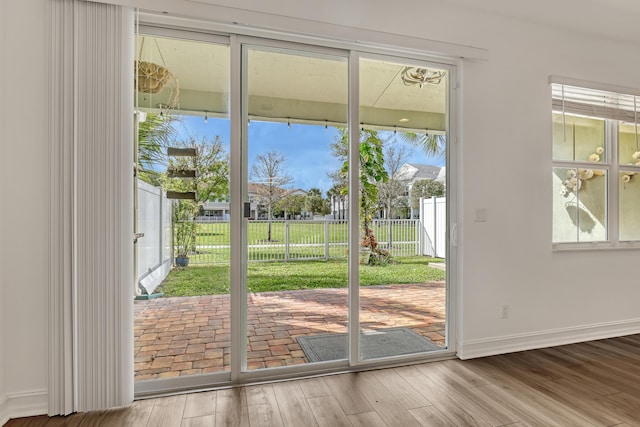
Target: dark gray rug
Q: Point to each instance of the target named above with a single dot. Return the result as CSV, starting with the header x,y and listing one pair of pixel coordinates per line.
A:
x,y
375,344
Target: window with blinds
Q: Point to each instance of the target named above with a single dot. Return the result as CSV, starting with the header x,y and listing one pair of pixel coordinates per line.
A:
x,y
596,167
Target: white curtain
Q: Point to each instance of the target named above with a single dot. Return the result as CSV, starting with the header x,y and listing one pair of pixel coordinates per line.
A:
x,y
91,246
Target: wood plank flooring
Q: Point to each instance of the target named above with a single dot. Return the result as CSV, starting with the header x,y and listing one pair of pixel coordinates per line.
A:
x,y
588,384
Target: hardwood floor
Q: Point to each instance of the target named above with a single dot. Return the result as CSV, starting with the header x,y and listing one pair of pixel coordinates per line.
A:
x,y
588,384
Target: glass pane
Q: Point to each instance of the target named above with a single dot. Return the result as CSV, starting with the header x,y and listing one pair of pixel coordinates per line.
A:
x,y
629,143
297,273
579,205
403,218
629,191
577,138
184,91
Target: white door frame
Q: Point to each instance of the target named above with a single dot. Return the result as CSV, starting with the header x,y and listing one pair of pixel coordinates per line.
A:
x,y
238,191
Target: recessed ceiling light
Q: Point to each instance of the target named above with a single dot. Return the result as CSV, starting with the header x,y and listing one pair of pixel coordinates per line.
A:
x,y
403,120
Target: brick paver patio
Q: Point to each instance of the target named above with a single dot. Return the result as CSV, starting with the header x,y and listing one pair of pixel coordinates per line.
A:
x,y
190,335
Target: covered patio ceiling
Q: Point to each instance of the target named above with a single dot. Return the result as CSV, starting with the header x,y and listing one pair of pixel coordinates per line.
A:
x,y
290,86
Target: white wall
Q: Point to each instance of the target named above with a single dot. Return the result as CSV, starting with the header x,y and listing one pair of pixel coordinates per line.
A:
x,y
505,168
553,297
24,221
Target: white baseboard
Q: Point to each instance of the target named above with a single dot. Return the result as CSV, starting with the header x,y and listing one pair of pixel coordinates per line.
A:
x,y
550,338
25,404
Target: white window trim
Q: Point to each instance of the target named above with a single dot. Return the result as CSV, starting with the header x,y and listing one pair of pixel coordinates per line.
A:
x,y
612,166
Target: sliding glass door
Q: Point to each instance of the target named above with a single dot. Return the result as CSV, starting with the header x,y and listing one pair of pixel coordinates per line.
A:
x,y
403,221
182,307
297,274
307,187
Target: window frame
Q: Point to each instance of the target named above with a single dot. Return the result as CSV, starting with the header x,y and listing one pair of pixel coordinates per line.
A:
x,y
612,165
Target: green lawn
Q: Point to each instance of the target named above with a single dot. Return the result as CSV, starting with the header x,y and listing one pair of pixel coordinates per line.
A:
x,y
277,276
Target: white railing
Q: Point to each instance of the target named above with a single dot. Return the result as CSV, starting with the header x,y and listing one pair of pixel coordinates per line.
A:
x,y
280,240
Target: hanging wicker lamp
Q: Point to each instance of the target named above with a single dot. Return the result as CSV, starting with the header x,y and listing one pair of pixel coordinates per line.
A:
x,y
151,77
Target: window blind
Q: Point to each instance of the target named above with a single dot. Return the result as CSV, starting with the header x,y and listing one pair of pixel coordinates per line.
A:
x,y
91,253
595,103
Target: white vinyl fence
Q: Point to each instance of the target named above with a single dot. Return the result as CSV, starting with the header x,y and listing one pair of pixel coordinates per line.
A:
x,y
288,240
433,215
301,240
154,249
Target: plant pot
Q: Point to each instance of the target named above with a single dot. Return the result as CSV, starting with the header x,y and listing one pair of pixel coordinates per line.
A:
x,y
364,255
182,261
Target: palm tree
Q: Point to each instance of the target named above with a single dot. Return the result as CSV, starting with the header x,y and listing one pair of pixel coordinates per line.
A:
x,y
155,134
431,143
338,197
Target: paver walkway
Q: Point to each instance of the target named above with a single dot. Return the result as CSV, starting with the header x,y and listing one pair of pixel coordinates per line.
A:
x,y
190,335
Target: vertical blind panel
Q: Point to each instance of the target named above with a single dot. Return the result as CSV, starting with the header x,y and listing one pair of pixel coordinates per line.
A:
x,y
61,203
102,127
101,150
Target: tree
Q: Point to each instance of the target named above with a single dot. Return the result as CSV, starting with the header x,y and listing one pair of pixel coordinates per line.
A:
x,y
340,150
337,196
211,164
314,192
314,203
184,228
271,181
155,134
340,189
392,192
372,172
292,204
433,144
425,188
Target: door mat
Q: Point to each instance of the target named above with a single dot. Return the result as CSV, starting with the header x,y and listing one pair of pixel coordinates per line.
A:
x,y
373,344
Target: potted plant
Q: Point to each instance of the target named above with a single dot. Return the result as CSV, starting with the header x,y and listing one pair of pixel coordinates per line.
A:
x,y
366,246
184,231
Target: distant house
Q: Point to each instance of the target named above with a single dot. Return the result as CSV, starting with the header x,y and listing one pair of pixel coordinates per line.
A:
x,y
219,209
411,172
296,192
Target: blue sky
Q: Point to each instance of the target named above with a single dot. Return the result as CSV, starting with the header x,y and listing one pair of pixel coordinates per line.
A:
x,y
306,148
